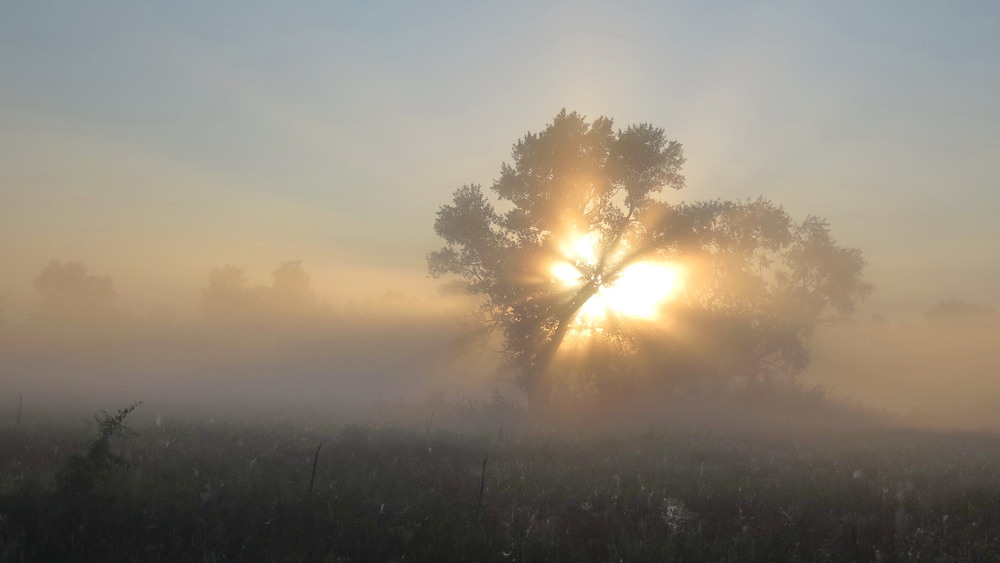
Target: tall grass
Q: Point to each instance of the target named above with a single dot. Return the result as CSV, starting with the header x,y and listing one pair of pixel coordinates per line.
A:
x,y
201,490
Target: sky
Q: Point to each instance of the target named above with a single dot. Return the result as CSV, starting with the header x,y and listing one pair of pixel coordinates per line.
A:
x,y
153,141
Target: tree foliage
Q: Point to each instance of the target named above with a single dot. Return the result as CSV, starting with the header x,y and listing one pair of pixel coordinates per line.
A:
x,y
69,294
291,292
954,312
756,282
229,297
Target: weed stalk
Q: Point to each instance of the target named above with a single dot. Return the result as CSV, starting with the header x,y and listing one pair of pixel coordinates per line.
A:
x,y
482,485
312,478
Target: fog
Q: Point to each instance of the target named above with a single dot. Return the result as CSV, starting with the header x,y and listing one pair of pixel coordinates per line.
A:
x,y
151,148
929,372
277,345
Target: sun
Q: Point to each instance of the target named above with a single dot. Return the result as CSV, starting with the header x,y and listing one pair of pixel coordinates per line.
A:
x,y
638,290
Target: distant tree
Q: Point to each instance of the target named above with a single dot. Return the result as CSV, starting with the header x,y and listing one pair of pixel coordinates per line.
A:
x,y
229,297
68,293
957,312
291,294
756,283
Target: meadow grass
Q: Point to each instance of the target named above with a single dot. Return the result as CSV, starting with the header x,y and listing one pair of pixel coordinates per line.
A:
x,y
210,491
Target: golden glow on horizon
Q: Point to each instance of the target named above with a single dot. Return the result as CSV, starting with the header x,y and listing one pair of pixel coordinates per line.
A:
x,y
638,291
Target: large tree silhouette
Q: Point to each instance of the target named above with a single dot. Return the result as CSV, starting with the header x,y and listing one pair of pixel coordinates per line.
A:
x,y
756,283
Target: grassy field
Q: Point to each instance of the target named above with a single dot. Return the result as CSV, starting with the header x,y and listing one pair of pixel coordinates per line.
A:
x,y
203,490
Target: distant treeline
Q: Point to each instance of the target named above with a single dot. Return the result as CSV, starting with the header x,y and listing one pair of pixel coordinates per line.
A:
x,y
69,294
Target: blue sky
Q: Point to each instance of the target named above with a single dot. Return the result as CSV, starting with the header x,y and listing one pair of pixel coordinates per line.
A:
x,y
154,140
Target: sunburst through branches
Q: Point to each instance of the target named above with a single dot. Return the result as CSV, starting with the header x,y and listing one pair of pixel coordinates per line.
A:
x,y
637,290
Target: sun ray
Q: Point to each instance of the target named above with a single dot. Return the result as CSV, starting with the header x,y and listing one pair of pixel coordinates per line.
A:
x,y
566,273
638,291
642,288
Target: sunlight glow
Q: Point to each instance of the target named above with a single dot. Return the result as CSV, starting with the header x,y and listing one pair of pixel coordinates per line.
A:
x,y
641,289
584,247
638,291
566,273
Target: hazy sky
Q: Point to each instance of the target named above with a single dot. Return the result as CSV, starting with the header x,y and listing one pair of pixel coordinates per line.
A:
x,y
155,140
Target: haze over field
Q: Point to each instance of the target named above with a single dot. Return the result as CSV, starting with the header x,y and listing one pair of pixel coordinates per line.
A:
x,y
153,142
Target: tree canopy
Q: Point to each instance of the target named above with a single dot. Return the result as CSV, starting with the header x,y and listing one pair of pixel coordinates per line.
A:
x,y
229,297
69,293
575,237
955,312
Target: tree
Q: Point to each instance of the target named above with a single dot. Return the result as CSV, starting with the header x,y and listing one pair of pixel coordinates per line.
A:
x,y
581,218
229,298
957,313
68,293
291,294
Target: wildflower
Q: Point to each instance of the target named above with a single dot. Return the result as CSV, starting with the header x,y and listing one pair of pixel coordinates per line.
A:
x,y
675,514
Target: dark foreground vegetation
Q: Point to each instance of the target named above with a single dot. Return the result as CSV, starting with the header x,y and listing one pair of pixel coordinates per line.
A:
x,y
217,490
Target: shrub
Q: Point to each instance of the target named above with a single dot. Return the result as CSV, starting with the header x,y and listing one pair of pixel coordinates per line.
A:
x,y
79,473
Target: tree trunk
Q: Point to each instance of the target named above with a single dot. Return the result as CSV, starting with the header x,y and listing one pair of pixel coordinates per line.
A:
x,y
538,383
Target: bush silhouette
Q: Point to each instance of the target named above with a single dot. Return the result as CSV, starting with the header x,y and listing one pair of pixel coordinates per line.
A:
x,y
80,473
